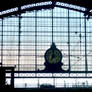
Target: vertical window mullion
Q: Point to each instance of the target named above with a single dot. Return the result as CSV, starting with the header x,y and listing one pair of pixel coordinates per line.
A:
x,y
86,65
35,40
69,41
19,42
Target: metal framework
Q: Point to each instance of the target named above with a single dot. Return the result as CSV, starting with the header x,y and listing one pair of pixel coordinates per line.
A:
x,y
25,38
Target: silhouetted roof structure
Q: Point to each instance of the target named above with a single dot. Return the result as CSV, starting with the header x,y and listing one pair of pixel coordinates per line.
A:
x,y
8,4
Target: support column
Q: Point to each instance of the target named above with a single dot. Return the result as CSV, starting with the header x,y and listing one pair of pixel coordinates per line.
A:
x,y
2,45
12,78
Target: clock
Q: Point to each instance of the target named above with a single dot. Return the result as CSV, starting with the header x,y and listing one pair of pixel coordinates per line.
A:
x,y
53,60
53,56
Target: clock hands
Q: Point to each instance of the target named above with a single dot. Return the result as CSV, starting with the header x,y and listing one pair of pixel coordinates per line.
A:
x,y
53,47
53,54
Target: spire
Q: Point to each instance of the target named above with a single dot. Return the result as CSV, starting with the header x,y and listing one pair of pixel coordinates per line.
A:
x,y
53,46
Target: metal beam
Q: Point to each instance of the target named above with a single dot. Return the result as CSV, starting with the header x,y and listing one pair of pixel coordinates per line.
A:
x,y
42,7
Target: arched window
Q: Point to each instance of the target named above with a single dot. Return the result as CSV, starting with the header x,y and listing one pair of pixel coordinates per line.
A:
x,y
25,38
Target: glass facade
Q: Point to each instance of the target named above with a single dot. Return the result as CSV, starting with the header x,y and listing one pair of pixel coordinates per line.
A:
x,y
25,38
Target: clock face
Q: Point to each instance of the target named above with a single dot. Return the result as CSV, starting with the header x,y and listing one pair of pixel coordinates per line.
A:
x,y
53,56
